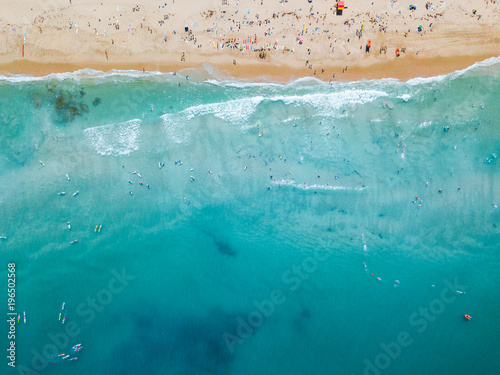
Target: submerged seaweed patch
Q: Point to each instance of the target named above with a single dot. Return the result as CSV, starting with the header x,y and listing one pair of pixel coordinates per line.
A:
x,y
68,103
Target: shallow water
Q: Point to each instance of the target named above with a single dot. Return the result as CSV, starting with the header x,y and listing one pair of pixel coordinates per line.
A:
x,y
319,213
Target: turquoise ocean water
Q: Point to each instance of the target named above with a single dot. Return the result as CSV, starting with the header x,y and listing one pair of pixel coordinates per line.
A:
x,y
283,234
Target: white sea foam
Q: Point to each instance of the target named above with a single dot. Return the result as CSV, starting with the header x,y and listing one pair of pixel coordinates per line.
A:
x,y
240,110
327,103
222,80
79,74
231,111
458,73
241,84
305,186
115,139
426,124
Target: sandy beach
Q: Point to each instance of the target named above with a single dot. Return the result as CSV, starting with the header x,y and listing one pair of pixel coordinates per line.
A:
x,y
277,40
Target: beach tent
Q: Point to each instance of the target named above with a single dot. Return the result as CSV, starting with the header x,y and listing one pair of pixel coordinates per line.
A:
x,y
186,28
340,7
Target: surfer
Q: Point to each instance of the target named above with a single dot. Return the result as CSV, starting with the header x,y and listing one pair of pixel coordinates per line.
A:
x,y
61,193
74,241
76,193
69,225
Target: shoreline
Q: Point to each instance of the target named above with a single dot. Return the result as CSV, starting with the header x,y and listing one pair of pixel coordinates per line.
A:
x,y
403,69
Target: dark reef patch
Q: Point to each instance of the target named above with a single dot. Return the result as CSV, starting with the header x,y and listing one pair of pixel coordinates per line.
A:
x,y
175,345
